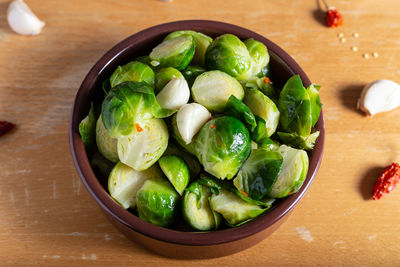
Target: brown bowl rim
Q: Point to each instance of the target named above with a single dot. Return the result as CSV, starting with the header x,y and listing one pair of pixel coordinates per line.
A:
x,y
123,216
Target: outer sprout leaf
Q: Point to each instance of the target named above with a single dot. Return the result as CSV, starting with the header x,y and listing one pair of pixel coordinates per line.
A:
x,y
87,128
176,171
297,141
313,91
236,108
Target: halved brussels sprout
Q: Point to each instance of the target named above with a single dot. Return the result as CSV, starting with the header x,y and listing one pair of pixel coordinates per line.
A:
x,y
134,71
176,171
163,76
191,73
234,210
196,208
222,146
189,119
313,91
178,138
174,95
106,145
258,173
236,108
87,128
292,174
259,53
158,202
191,161
126,104
145,145
202,42
269,144
298,141
212,89
175,52
264,107
295,107
229,54
124,183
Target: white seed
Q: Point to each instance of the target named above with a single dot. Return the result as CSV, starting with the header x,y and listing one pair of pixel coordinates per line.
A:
x,y
22,20
175,94
379,96
189,119
375,54
355,34
366,55
343,40
340,35
354,48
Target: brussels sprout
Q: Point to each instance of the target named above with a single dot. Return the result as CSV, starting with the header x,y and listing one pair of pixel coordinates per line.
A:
x,y
258,173
269,145
134,71
163,76
191,161
179,139
260,131
234,210
298,141
222,145
229,54
196,208
264,85
236,108
175,52
176,171
292,174
106,145
124,183
145,145
313,91
101,164
87,128
191,73
212,89
259,53
202,42
189,119
158,202
126,104
295,107
174,95
264,107
144,59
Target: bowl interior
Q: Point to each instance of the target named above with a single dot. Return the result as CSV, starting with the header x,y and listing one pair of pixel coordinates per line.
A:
x,y
139,44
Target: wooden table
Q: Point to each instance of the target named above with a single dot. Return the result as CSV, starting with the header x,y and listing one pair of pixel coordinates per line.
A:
x,y
48,218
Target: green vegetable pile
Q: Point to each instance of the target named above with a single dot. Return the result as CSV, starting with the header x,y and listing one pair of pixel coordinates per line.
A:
x,y
197,129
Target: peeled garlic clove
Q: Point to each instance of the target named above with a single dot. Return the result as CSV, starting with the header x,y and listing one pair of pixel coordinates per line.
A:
x,y
22,20
379,96
189,119
175,94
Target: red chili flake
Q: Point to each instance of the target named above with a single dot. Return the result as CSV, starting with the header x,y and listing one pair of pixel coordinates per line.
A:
x,y
244,193
5,127
267,80
387,181
138,128
212,126
333,17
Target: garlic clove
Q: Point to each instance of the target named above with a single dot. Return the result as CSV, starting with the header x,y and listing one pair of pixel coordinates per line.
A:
x,y
175,94
379,96
189,119
22,20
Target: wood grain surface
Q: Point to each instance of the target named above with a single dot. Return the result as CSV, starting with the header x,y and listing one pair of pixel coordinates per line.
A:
x,y
48,218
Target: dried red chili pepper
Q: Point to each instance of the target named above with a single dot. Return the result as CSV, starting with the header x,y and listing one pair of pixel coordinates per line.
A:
x,y
138,128
333,17
5,127
267,80
387,181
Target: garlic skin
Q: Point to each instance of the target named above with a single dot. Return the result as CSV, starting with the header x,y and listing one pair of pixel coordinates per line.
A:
x,y
22,20
379,96
175,94
189,119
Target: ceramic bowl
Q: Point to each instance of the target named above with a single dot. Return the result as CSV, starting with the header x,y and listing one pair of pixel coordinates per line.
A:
x,y
181,243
